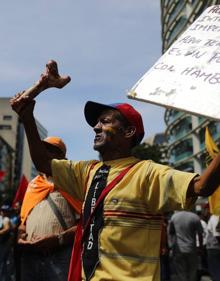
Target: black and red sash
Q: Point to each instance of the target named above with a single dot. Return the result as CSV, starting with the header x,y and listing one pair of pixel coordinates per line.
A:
x,y
84,232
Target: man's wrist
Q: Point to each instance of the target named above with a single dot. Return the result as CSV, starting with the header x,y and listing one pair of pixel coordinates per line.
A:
x,y
60,238
25,116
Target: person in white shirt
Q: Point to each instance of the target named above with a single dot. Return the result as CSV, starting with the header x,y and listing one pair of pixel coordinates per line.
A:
x,y
213,247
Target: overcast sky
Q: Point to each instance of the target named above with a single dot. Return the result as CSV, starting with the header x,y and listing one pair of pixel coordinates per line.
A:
x,y
104,45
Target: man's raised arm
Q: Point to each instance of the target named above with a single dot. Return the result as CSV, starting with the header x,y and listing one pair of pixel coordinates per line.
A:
x,y
23,105
38,152
208,182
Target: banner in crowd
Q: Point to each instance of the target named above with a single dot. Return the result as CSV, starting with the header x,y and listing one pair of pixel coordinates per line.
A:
x,y
212,149
2,174
187,76
21,189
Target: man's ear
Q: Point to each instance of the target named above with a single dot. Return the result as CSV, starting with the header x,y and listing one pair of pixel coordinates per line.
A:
x,y
129,132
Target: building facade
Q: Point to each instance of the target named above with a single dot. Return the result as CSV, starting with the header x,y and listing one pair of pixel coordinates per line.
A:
x,y
12,133
6,168
158,140
185,133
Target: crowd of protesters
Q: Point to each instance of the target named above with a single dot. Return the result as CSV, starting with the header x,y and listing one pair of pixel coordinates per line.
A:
x,y
9,222
38,234
124,198
191,249
190,246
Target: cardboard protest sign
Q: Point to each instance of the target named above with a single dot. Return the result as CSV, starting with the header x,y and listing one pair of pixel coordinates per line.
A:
x,y
187,76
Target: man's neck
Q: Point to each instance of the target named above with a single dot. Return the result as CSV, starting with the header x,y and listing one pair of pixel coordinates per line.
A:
x,y
114,156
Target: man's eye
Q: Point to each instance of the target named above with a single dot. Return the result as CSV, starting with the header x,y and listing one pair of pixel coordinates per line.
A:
x,y
105,121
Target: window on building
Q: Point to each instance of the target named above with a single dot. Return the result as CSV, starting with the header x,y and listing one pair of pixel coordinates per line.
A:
x,y
165,2
187,167
185,147
202,136
182,128
176,9
7,117
204,160
180,24
5,127
213,129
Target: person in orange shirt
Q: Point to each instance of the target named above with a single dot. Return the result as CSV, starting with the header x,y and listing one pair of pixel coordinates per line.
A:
x,y
48,224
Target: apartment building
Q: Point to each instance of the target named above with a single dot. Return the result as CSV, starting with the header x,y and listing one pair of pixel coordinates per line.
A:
x,y
185,133
12,133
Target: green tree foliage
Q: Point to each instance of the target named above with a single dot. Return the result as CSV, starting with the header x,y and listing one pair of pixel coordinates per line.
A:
x,y
154,152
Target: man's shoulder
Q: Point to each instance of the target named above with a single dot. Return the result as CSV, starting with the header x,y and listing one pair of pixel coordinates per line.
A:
x,y
186,215
64,165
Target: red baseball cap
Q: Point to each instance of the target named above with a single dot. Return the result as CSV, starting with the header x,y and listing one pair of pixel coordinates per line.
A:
x,y
93,110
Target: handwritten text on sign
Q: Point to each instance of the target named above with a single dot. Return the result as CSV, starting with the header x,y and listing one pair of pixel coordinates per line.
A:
x,y
187,76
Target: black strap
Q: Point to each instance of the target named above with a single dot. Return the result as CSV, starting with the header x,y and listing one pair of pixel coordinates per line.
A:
x,y
57,212
95,221
92,235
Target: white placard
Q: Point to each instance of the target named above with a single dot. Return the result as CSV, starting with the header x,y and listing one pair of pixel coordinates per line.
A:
x,y
187,76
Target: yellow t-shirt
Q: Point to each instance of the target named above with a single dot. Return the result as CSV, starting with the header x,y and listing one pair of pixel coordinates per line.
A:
x,y
129,242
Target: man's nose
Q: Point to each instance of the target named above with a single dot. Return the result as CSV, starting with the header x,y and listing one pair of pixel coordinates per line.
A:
x,y
98,126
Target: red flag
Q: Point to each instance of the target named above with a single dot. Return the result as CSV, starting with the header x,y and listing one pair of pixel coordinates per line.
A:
x,y
2,174
22,187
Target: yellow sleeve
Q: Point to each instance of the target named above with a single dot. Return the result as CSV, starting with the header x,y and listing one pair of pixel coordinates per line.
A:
x,y
167,188
71,176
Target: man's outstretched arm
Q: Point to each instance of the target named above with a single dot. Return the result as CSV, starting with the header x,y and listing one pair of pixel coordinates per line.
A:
x,y
208,182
